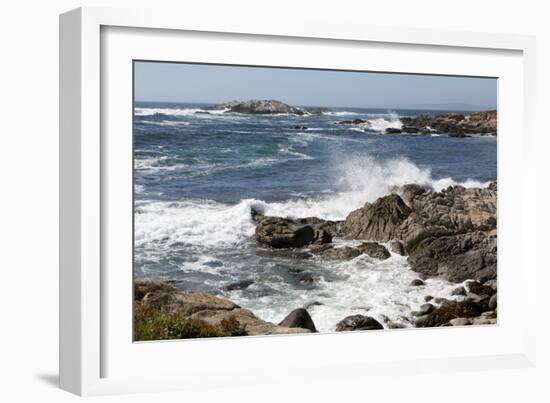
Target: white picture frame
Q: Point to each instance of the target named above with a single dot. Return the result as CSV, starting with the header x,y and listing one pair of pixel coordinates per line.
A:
x,y
89,316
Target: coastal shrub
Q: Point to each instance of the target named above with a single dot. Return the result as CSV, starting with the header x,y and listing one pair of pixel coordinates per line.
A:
x,y
152,324
232,327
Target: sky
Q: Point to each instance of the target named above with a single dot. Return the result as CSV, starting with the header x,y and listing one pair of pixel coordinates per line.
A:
x,y
181,82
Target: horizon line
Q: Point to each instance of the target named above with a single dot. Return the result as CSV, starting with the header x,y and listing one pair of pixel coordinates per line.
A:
x,y
471,108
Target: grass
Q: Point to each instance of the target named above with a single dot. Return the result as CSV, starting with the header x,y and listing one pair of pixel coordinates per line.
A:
x,y
152,324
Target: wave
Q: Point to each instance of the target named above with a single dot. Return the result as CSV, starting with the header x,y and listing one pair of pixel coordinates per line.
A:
x,y
165,123
340,113
177,111
209,223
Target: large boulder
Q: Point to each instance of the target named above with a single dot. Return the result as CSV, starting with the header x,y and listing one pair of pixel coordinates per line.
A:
x,y
374,250
457,257
284,233
212,310
379,221
261,107
358,322
449,310
299,318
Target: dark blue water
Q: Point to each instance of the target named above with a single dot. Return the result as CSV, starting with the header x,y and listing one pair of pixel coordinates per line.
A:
x,y
198,173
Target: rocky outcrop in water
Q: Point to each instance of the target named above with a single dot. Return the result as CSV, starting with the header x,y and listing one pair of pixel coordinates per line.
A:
x,y
299,318
449,234
260,107
157,297
358,322
473,309
454,124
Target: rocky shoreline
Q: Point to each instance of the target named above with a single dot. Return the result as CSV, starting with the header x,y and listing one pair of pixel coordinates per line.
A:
x,y
454,124
450,234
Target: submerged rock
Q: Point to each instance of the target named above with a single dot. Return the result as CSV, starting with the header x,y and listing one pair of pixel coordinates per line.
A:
x,y
239,285
358,322
299,318
341,253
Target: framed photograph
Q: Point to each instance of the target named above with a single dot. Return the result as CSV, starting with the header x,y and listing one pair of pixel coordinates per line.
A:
x,y
238,192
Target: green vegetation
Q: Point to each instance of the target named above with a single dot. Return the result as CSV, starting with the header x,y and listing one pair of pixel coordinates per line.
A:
x,y
152,324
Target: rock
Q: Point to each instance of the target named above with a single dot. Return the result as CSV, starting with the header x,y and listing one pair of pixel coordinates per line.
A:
x,y
428,298
483,321
299,318
298,127
342,253
284,233
208,308
454,124
262,107
396,246
424,310
417,282
391,130
310,305
374,250
352,122
493,302
239,285
317,110
459,291
143,286
460,322
358,322
379,221
491,283
476,287
410,129
447,311
457,257
396,325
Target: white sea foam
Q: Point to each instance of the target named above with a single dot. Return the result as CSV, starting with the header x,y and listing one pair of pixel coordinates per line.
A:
x,y
166,123
209,223
367,286
290,151
177,111
340,113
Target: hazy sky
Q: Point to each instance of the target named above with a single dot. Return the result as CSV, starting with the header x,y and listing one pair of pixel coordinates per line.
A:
x,y
177,82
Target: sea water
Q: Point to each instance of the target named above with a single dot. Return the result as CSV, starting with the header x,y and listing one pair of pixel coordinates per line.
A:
x,y
198,173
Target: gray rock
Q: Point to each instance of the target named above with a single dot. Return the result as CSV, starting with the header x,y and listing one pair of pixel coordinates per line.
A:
x,y
396,246
447,311
341,253
299,318
461,321
459,291
260,106
417,282
379,221
358,322
428,298
284,233
493,302
238,285
374,250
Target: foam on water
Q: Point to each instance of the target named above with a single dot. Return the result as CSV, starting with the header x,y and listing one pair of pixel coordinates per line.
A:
x,y
367,286
211,223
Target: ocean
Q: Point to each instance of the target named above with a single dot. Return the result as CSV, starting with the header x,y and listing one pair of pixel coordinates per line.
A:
x,y
198,173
